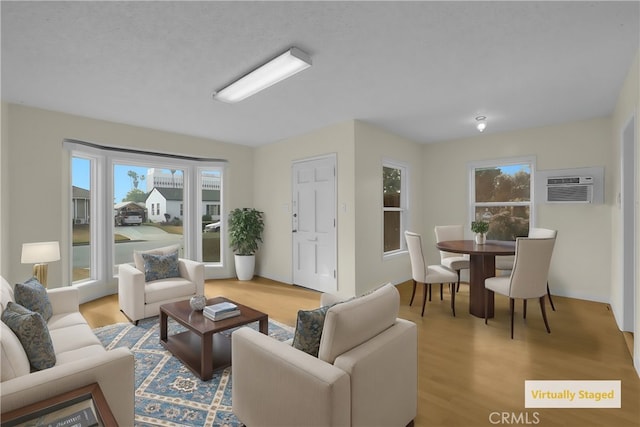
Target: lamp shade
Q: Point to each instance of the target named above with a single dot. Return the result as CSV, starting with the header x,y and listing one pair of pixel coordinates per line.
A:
x,y
40,252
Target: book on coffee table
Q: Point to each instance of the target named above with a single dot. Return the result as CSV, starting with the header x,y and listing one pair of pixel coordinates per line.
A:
x,y
221,307
221,316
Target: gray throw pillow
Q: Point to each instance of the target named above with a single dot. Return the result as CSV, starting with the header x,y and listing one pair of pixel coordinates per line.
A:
x,y
31,329
158,267
309,330
33,296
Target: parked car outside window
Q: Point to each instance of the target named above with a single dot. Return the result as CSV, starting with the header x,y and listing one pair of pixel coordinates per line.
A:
x,y
129,218
214,226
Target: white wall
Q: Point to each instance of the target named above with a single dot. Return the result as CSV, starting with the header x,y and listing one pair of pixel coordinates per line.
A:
x,y
172,207
584,237
37,168
272,190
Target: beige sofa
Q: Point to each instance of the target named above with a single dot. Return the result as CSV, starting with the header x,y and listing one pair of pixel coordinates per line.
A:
x,y
365,373
80,360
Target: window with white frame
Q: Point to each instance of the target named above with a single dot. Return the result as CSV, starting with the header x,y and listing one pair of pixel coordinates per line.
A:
x,y
394,206
82,170
117,185
501,193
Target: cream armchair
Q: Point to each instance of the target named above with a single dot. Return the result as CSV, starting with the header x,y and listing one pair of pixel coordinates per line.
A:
x,y
365,373
140,299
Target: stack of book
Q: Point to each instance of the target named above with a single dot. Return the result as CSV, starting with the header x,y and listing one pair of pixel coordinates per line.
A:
x,y
222,310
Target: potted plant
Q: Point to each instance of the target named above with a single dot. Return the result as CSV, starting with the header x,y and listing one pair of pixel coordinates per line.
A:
x,y
245,231
480,228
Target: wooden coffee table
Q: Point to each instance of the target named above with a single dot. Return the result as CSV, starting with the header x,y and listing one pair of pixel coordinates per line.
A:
x,y
202,348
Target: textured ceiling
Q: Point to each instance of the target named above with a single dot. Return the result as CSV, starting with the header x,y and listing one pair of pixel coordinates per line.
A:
x,y
422,70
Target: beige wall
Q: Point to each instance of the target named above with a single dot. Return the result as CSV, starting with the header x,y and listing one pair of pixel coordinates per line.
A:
x,y
628,106
4,189
583,230
373,146
272,189
38,173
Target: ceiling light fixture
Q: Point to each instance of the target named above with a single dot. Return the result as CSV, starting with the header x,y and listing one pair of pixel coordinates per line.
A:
x,y
482,123
281,67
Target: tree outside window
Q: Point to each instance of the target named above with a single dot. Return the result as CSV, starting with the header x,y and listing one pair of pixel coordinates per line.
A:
x,y
394,206
501,196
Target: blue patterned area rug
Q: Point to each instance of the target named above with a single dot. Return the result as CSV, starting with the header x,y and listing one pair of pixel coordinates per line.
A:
x,y
167,392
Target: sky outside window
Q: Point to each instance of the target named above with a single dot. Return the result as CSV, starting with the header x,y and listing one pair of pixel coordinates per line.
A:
x,y
121,180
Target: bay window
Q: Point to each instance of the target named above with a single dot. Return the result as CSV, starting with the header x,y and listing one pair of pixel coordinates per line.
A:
x,y
124,200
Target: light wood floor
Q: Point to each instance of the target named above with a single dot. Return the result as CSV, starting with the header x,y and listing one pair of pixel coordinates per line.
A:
x,y
468,370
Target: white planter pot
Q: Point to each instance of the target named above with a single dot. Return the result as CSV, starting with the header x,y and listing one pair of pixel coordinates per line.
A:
x,y
481,238
245,266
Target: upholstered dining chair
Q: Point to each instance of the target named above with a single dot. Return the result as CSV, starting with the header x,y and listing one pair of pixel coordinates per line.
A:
x,y
455,262
528,277
428,274
505,263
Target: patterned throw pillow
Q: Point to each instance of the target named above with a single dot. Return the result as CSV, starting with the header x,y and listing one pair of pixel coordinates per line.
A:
x,y
166,250
33,296
31,329
158,267
309,330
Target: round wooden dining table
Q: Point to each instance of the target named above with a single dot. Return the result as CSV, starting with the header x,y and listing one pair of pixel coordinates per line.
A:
x,y
482,264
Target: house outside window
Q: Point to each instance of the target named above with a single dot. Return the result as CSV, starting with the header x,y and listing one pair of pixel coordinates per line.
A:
x,y
394,206
501,193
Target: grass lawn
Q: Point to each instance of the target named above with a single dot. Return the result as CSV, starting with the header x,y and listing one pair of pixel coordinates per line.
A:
x,y
171,229
82,235
210,243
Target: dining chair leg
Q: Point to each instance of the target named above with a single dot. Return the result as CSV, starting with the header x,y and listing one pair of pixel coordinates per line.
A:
x,y
458,284
452,287
553,307
424,297
486,304
512,309
544,314
441,291
524,308
413,293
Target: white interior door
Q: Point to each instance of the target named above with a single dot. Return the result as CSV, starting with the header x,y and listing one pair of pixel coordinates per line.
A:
x,y
314,224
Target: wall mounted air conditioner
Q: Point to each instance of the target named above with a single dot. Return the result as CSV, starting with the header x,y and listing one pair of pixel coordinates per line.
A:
x,y
570,189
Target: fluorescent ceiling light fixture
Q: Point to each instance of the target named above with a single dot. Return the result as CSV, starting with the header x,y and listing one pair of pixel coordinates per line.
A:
x,y
281,67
